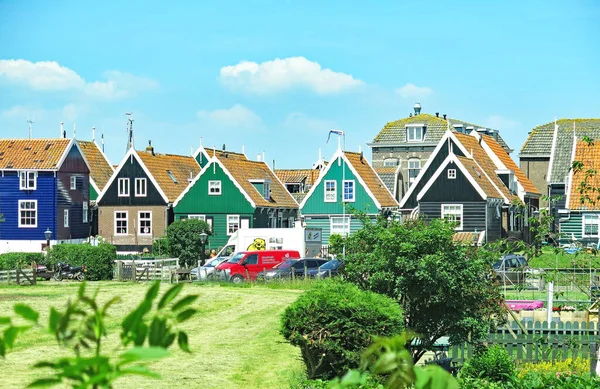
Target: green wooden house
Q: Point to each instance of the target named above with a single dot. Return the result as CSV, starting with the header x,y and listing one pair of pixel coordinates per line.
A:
x,y
233,192
347,184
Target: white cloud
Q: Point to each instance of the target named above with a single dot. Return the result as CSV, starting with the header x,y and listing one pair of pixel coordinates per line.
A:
x,y
51,76
284,74
501,123
412,91
236,117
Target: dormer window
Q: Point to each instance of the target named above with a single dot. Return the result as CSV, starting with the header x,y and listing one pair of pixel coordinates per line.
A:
x,y
415,133
267,190
27,180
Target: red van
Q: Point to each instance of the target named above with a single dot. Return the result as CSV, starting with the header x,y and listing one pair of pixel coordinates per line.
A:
x,y
247,264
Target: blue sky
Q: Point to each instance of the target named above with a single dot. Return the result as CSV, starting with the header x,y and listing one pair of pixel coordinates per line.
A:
x,y
275,76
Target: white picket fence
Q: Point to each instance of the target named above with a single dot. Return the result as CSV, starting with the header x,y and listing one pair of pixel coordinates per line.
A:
x,y
146,270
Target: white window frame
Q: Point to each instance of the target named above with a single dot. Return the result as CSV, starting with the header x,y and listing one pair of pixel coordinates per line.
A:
x,y
413,179
85,210
452,174
139,224
65,218
390,162
411,133
267,190
453,209
126,219
123,187
595,220
339,225
35,209
209,221
353,186
214,188
332,193
233,219
73,182
28,180
141,183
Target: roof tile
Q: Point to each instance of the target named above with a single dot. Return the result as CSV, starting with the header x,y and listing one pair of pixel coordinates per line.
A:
x,y
371,179
32,153
181,168
581,197
100,169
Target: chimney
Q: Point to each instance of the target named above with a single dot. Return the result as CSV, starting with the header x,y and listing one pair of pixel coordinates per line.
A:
x,y
150,148
62,131
410,115
437,114
258,157
444,116
417,108
244,149
191,178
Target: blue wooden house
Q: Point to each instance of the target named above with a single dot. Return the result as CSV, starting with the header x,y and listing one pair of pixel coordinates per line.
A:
x,y
44,185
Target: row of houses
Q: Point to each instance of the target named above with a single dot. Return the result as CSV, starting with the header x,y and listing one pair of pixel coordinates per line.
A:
x,y
424,165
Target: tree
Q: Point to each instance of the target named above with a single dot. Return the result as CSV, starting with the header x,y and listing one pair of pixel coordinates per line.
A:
x,y
184,240
443,288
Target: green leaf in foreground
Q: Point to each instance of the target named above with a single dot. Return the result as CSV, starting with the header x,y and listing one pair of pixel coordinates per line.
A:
x,y
26,312
187,300
139,354
185,315
169,295
44,383
182,340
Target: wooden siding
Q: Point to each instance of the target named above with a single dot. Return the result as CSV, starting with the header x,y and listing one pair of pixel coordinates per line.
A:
x,y
573,228
132,170
46,196
219,238
324,223
557,191
453,190
72,200
473,213
494,224
316,204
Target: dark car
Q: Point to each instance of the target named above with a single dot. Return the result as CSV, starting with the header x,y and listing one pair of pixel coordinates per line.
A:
x,y
328,269
293,268
511,269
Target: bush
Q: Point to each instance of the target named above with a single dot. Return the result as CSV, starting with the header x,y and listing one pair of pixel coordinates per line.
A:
x,y
10,261
334,322
184,240
161,246
534,381
492,363
97,259
569,366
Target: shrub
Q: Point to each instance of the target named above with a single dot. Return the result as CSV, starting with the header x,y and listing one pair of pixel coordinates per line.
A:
x,y
161,246
534,380
98,259
569,366
334,321
492,363
184,240
10,261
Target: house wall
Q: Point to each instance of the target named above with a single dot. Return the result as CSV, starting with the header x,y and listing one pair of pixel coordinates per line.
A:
x,y
536,169
132,241
72,200
494,223
573,227
324,223
557,191
445,189
473,213
219,237
46,196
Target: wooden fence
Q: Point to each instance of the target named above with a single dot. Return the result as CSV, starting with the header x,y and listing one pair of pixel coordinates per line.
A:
x,y
18,276
540,341
146,270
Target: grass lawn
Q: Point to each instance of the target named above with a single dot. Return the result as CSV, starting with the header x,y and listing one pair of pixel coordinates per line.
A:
x,y
235,338
561,259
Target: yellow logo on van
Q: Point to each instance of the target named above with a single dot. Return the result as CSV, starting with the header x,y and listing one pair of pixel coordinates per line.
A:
x,y
258,244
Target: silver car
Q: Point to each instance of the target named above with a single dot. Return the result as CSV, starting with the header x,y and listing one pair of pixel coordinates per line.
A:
x,y
207,270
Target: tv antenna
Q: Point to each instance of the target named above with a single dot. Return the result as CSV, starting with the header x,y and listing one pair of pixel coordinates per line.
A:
x,y
30,121
129,129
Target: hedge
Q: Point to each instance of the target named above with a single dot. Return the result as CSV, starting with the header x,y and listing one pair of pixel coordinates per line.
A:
x,y
97,259
10,261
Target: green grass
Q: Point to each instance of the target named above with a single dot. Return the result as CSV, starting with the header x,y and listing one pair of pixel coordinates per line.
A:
x,y
551,258
235,338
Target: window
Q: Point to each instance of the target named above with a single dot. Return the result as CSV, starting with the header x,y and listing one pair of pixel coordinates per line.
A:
x,y
414,134
233,224
452,174
590,225
214,188
172,176
453,213
66,218
349,190
28,213
121,223
123,187
414,167
27,180
85,212
199,217
390,162
145,223
141,187
251,259
293,188
267,190
73,182
340,225
330,191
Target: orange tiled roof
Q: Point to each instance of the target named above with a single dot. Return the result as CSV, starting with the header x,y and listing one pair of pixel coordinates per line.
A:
x,y
100,169
31,153
243,170
371,179
510,164
309,176
466,237
581,195
487,165
181,168
475,172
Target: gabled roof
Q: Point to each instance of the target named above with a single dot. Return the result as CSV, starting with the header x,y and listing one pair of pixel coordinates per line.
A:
x,y
100,168
395,132
33,154
387,176
294,176
180,168
508,163
539,141
589,155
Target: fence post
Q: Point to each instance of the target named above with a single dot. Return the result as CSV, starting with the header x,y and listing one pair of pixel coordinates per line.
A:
x,y
34,273
17,274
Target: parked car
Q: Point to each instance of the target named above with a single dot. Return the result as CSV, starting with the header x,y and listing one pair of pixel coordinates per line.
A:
x,y
245,265
207,270
329,269
511,269
293,268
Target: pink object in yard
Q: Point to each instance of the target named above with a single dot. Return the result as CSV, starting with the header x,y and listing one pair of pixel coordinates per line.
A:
x,y
527,305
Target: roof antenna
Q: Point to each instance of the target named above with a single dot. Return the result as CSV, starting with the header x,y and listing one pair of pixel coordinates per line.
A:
x,y
102,142
62,131
244,149
129,129
74,130
214,155
30,126
93,134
